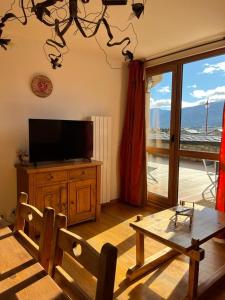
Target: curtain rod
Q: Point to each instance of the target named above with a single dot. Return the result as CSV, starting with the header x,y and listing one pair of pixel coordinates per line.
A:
x,y
186,49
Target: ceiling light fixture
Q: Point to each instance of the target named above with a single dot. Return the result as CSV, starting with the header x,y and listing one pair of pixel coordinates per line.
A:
x,y
48,12
138,9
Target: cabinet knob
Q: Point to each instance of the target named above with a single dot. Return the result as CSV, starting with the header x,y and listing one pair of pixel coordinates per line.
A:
x,y
50,176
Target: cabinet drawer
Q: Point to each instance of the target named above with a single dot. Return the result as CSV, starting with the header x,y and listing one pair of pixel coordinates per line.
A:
x,y
81,174
51,177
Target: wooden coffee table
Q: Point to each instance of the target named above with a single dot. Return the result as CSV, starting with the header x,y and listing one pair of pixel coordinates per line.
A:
x,y
180,239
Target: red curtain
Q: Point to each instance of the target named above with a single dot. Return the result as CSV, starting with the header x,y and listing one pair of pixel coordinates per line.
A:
x,y
133,181
220,199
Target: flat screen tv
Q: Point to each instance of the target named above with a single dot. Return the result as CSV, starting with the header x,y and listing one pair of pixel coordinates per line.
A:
x,y
56,140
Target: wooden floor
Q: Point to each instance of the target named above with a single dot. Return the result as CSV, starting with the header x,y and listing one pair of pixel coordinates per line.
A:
x,y
168,282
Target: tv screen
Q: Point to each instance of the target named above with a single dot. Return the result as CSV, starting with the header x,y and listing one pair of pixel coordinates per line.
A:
x,y
52,140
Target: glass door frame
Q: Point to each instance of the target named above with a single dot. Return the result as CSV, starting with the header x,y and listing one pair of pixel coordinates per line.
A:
x,y
174,152
155,199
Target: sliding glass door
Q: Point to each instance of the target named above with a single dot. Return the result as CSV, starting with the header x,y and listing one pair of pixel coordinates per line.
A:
x,y
184,129
203,95
160,133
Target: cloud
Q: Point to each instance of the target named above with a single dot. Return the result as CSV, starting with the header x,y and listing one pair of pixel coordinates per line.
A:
x,y
166,103
212,68
193,86
191,104
161,103
216,95
201,96
213,95
164,89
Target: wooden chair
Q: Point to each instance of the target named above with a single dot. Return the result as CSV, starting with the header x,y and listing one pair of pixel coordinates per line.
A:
x,y
100,265
43,223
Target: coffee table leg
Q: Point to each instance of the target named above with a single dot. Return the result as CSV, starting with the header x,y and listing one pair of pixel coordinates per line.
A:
x,y
144,266
193,278
140,257
196,255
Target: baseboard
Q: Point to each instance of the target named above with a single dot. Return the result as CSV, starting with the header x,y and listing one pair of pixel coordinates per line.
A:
x,y
112,202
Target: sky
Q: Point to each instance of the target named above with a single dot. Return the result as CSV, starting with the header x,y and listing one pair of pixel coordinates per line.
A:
x,y
202,80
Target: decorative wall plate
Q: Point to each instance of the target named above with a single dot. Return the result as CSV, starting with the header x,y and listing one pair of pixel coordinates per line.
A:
x,y
41,86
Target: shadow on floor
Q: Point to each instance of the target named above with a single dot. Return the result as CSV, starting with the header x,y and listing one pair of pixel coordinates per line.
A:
x,y
111,218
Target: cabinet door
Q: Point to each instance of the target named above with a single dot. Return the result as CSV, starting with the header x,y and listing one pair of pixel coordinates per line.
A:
x,y
54,196
82,200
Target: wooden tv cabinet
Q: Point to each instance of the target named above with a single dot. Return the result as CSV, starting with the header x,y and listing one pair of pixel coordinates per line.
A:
x,y
72,188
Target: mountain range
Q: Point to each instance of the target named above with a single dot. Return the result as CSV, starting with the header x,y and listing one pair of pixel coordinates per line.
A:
x,y
191,117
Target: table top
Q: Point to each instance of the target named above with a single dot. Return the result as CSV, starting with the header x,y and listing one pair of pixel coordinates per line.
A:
x,y
160,226
21,277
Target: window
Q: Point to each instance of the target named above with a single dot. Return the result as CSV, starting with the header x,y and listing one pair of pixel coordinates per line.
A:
x,y
186,101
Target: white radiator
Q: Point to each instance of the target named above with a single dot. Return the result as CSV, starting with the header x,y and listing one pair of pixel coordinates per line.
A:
x,y
102,152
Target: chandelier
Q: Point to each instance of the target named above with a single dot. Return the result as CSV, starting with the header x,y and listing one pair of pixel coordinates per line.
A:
x,y
47,12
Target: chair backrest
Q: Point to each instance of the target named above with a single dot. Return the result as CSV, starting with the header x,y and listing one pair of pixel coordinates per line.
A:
x,y
101,265
44,223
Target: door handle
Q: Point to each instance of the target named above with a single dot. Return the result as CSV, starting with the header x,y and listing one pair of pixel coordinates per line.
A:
x,y
172,138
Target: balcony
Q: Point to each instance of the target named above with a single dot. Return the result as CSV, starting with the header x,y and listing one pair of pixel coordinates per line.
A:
x,y
197,179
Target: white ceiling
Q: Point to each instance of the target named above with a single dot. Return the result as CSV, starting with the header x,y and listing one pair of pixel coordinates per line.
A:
x,y
166,25
171,24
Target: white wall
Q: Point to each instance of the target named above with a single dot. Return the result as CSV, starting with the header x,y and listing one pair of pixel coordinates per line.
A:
x,y
84,86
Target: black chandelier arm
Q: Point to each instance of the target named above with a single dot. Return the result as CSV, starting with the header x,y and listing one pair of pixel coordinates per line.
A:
x,y
40,10
73,8
51,55
110,44
82,30
98,23
9,16
53,24
110,35
47,12
93,22
65,29
127,54
6,18
4,43
52,42
55,60
24,13
60,34
72,16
